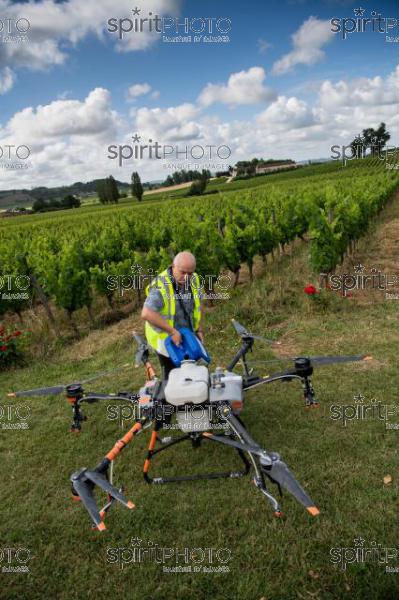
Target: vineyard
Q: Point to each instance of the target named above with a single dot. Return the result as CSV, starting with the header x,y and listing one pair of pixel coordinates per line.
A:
x,y
70,257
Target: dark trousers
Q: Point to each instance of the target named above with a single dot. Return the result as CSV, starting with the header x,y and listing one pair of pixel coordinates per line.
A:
x,y
166,365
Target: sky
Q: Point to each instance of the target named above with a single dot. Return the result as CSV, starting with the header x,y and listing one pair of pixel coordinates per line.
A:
x,y
217,83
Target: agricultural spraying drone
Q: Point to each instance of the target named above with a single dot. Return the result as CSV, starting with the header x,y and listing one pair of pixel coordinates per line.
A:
x,y
202,403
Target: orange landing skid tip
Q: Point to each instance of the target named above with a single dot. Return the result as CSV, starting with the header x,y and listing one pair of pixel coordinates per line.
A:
x,y
130,505
76,498
368,357
102,514
278,514
101,526
12,395
313,510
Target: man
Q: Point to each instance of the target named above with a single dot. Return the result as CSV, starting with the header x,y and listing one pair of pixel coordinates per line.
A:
x,y
173,301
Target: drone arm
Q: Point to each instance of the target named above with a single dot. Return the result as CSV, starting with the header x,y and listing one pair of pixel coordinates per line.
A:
x,y
77,399
102,467
308,391
269,463
233,443
246,346
83,481
285,376
91,398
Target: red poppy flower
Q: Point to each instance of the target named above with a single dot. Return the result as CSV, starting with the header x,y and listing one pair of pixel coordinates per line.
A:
x,y
17,333
310,290
3,348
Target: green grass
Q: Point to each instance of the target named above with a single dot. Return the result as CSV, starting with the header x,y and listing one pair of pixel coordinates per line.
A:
x,y
95,209
308,174
92,205
341,467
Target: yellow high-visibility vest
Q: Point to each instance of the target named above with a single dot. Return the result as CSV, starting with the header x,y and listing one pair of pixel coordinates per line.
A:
x,y
155,335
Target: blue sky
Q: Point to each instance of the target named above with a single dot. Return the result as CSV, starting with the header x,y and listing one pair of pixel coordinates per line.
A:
x,y
267,92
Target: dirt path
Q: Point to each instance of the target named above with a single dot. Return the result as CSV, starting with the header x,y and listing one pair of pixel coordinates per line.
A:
x,y
170,188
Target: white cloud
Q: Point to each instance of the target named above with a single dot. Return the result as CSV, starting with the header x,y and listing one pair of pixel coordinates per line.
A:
x,y
138,89
168,125
69,138
55,27
285,114
362,91
244,87
7,79
263,46
60,119
307,43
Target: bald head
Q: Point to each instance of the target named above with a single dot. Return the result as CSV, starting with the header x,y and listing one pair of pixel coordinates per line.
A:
x,y
183,266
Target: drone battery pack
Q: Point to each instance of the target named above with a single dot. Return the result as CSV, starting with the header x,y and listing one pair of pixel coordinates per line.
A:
x,y
191,348
230,388
187,384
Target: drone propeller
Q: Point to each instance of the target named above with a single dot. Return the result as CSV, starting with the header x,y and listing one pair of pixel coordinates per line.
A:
x,y
142,351
84,490
275,469
280,474
83,483
58,389
320,360
242,332
329,360
240,329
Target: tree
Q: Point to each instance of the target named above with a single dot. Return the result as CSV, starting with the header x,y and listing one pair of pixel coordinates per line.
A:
x,y
358,146
375,139
137,188
54,203
177,177
70,201
197,188
39,205
102,191
379,138
112,189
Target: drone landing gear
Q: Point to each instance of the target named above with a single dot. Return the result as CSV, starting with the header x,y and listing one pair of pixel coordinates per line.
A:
x,y
84,481
265,463
196,439
308,394
74,395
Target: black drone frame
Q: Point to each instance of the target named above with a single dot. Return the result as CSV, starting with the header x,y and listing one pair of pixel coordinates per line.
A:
x,y
151,411
265,464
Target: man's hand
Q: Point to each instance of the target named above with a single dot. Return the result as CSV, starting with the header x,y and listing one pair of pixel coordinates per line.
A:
x,y
153,317
176,337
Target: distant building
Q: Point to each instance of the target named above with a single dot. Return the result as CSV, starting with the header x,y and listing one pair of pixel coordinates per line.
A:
x,y
15,212
263,168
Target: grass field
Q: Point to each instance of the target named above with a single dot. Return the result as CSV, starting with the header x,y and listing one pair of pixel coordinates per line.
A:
x,y
155,198
149,196
342,467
